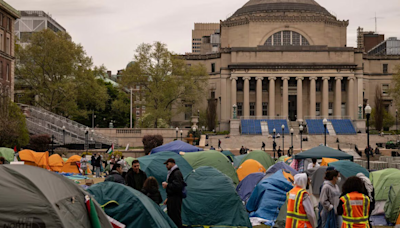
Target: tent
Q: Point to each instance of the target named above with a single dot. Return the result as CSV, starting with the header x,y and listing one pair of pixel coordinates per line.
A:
x,y
39,159
71,166
229,155
348,168
34,197
176,146
129,160
261,156
392,206
65,159
283,166
323,152
212,200
247,185
134,209
268,197
282,158
382,180
237,160
326,161
56,163
317,177
154,166
248,167
7,153
214,159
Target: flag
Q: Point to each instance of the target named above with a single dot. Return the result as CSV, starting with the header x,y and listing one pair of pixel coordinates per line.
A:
x,y
111,149
94,219
15,149
127,147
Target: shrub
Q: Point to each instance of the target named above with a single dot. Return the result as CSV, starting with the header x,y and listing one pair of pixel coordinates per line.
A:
x,y
40,143
151,141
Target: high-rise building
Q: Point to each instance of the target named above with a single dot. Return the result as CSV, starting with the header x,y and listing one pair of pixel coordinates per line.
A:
x,y
200,30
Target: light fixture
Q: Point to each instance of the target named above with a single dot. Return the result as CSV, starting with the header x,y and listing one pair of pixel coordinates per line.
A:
x,y
368,109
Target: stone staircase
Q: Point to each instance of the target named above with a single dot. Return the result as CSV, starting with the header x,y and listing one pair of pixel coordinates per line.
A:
x,y
264,128
330,129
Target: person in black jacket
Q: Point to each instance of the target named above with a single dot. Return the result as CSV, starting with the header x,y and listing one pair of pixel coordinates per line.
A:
x,y
150,189
135,177
174,187
115,175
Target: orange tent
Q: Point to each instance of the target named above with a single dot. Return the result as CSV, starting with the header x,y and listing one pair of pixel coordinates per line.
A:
x,y
56,163
27,156
248,167
326,161
39,159
70,166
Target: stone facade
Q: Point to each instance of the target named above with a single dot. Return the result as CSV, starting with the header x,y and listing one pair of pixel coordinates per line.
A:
x,y
200,30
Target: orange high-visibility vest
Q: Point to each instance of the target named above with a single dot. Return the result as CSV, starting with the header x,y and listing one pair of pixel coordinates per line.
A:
x,y
355,210
296,215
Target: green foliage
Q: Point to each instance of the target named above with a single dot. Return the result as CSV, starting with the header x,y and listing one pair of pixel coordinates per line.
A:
x,y
388,120
148,121
166,81
395,89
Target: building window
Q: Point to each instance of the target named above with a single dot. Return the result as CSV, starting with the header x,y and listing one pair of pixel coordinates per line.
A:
x,y
188,112
137,113
385,68
252,84
8,46
318,109
385,89
212,67
265,109
330,85
287,38
137,87
318,86
8,73
1,19
143,107
8,24
330,110
240,84
343,85
213,94
239,109
252,109
265,85
137,107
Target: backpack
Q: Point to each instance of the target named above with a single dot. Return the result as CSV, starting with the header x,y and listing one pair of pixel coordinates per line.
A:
x,y
184,191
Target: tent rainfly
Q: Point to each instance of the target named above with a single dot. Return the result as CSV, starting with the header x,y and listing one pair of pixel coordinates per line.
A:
x,y
176,146
323,152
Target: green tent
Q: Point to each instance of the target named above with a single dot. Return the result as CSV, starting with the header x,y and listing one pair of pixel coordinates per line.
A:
x,y
34,197
153,165
214,159
261,156
392,205
237,160
129,160
282,158
228,153
382,180
348,168
212,200
65,159
320,152
7,153
134,209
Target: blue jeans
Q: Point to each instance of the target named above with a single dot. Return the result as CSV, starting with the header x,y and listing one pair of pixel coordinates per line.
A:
x,y
97,171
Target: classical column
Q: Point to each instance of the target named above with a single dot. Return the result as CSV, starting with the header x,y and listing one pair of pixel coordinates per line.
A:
x,y
325,97
271,92
233,93
350,105
259,96
299,98
224,103
246,102
285,97
313,89
338,97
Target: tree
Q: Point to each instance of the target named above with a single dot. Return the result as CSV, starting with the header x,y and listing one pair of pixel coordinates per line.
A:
x,y
395,90
166,81
388,120
379,109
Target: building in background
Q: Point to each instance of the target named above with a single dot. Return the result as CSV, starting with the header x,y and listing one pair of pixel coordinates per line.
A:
x,y
200,30
367,40
8,15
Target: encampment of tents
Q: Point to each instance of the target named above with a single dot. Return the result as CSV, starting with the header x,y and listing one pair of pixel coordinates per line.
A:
x,y
382,180
133,208
70,166
176,146
392,206
153,165
326,161
348,168
39,159
323,152
247,185
213,159
34,197
56,163
7,153
212,200
248,167
261,156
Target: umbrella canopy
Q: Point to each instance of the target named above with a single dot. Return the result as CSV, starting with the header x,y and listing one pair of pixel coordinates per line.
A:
x,y
134,209
213,159
154,166
56,163
176,146
348,168
323,152
261,156
7,153
248,167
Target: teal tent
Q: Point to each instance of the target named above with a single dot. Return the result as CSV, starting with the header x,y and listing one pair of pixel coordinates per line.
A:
x,y
261,156
7,153
154,166
133,208
237,160
212,200
348,168
229,155
323,152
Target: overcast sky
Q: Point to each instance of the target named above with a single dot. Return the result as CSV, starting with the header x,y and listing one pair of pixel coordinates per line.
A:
x,y
110,30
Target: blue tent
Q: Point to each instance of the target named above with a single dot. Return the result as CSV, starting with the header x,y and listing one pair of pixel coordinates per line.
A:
x,y
268,197
176,146
247,185
282,165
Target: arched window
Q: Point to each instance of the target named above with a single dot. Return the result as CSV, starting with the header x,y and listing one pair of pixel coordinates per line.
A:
x,y
287,38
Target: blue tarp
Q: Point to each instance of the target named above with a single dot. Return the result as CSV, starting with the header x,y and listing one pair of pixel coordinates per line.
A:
x,y
282,165
176,146
268,197
247,185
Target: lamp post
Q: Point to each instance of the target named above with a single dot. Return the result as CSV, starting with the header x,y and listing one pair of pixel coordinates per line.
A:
x,y
234,111
194,135
87,138
181,134
283,139
93,117
301,137
63,134
91,139
325,122
360,111
291,133
274,140
176,130
368,114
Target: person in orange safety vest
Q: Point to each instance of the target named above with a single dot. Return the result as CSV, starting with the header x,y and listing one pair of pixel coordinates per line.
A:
x,y
353,205
300,211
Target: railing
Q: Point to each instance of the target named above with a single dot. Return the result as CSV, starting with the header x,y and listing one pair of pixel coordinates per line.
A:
x,y
327,117
263,118
129,131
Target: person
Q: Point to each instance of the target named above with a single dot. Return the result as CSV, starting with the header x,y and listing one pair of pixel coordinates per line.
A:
x,y
97,164
377,151
314,164
83,162
329,197
219,143
2,161
135,177
300,211
354,206
150,189
124,166
274,146
116,175
212,148
278,135
242,150
92,161
279,152
112,161
263,146
369,191
174,186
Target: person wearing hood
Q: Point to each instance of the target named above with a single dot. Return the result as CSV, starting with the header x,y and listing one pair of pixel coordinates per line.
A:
x,y
135,177
329,197
150,189
300,211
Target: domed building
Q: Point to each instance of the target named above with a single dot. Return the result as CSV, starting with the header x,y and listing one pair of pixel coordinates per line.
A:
x,y
289,60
